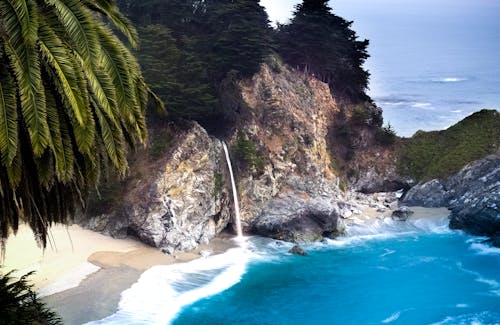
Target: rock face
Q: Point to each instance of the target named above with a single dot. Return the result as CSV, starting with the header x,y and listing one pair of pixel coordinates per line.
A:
x,y
472,195
295,194
177,206
287,183
298,220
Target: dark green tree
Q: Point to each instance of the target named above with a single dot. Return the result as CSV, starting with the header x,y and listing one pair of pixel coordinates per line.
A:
x,y
323,44
176,73
236,36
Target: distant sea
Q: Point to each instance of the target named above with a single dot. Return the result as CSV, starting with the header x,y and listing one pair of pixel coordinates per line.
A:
x,y
433,62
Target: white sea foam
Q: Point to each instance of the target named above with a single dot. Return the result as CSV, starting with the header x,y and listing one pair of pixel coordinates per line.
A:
x,y
421,105
162,291
484,249
392,318
70,280
449,79
462,306
471,319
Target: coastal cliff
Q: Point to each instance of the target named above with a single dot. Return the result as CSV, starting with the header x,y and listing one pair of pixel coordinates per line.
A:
x,y
299,157
287,183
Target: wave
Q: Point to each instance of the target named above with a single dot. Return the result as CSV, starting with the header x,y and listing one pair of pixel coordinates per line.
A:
x,y
162,291
484,249
475,318
421,105
361,231
449,79
392,318
494,286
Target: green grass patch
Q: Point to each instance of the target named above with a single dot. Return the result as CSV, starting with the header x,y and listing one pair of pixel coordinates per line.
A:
x,y
439,154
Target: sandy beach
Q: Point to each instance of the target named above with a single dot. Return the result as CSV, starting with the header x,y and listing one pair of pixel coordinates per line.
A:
x,y
82,273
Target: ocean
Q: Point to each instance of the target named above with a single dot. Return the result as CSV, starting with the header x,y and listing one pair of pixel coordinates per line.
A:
x,y
433,62
381,272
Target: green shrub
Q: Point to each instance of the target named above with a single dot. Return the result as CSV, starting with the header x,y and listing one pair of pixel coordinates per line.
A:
x,y
218,184
386,136
245,152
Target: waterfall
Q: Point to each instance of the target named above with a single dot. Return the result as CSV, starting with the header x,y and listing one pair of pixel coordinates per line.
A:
x,y
237,220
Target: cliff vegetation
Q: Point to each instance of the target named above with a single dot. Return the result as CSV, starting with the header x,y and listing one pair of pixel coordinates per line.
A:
x,y
439,154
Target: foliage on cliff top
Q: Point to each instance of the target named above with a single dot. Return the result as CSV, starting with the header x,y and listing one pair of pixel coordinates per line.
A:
x,y
324,44
20,305
439,154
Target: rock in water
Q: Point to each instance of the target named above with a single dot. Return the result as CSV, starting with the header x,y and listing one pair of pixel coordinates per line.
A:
x,y
402,213
297,250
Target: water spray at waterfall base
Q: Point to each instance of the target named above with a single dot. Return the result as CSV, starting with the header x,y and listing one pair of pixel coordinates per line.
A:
x,y
237,219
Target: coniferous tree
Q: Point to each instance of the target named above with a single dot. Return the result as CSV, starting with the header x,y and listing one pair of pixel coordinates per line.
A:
x,y
236,36
323,44
176,73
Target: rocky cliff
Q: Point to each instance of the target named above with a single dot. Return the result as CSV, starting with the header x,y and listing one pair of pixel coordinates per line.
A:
x,y
472,195
175,201
284,173
298,157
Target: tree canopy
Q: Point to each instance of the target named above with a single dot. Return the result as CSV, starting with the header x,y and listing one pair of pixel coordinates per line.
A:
x,y
190,47
71,98
323,44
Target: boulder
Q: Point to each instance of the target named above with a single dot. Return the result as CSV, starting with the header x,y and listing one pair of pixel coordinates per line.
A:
x,y
430,194
297,250
293,219
402,213
472,195
475,197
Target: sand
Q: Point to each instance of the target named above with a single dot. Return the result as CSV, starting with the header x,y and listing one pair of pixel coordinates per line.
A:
x,y
76,252
82,274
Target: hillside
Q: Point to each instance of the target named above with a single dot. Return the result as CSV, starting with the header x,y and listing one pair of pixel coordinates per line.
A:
x,y
439,154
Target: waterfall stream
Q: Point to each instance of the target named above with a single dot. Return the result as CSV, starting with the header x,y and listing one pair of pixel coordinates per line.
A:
x,y
237,218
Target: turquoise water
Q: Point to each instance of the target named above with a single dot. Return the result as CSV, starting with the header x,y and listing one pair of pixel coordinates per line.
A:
x,y
382,272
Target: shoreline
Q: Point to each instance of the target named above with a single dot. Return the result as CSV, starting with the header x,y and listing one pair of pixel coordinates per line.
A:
x,y
84,279
85,268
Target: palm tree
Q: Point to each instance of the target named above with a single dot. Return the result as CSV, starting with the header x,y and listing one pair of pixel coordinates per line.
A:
x,y
72,99
20,304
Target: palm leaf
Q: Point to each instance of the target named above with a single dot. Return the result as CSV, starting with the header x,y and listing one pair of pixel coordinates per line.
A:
x,y
8,118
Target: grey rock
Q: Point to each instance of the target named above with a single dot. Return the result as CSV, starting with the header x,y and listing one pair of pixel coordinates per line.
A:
x,y
475,197
293,219
430,194
297,250
175,207
402,213
472,195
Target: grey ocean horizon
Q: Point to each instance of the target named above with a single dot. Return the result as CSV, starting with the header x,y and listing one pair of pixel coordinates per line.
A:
x,y
433,62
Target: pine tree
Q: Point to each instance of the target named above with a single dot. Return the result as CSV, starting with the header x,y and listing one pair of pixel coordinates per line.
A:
x,y
236,36
322,43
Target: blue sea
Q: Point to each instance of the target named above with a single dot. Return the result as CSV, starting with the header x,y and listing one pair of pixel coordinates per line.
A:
x,y
433,62
381,272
